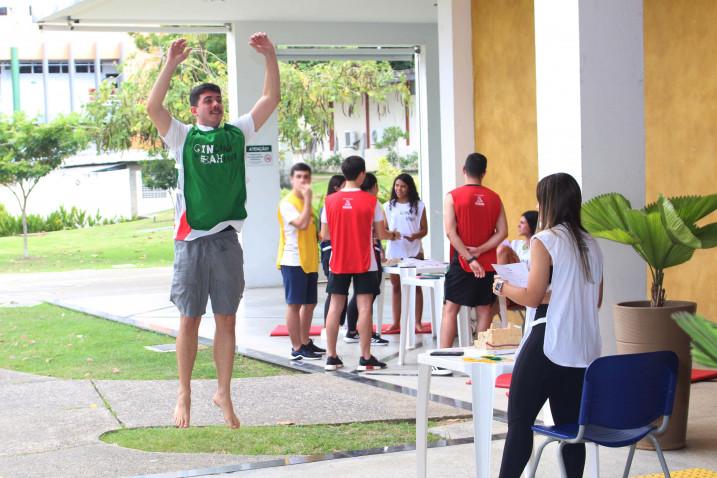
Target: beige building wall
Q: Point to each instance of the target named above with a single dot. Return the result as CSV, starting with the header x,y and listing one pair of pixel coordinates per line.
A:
x,y
505,107
680,114
680,125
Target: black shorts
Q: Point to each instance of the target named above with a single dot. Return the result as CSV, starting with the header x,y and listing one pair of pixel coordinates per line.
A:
x,y
364,283
464,288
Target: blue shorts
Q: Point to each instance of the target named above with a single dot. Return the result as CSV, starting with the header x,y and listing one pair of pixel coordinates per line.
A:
x,y
299,287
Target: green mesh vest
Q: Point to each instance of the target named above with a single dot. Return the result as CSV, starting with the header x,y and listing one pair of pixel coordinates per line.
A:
x,y
214,176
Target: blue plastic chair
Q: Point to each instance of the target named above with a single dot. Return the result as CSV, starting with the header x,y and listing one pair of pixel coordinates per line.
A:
x,y
623,396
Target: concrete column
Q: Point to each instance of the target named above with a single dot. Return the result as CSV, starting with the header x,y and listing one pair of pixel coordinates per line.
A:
x,y
260,234
71,76
456,86
98,66
590,104
429,137
45,82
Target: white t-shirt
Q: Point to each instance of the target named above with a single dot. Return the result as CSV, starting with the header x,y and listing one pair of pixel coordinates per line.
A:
x,y
174,139
289,213
522,249
572,331
400,218
377,217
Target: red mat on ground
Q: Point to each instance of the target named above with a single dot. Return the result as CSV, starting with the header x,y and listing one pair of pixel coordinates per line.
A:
x,y
384,327
503,381
702,375
282,331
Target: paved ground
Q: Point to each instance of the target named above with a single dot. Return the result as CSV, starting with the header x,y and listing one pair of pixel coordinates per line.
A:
x,y
50,427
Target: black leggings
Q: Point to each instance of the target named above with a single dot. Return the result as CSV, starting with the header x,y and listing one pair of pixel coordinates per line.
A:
x,y
535,380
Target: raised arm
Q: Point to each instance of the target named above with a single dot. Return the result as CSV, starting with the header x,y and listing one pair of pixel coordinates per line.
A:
x,y
178,52
304,219
271,95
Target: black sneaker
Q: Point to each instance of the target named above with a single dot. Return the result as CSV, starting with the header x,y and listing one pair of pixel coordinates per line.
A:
x,y
315,348
305,354
369,364
351,337
377,340
333,363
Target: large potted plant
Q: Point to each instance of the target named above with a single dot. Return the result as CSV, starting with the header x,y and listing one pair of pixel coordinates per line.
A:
x,y
665,234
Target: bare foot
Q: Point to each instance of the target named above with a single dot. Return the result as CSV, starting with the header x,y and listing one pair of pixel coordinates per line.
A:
x,y
225,403
181,411
394,329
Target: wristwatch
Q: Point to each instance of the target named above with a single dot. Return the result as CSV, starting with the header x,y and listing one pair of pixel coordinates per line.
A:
x,y
498,286
473,258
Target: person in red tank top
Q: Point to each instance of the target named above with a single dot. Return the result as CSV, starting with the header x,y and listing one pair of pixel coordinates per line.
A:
x,y
475,224
349,220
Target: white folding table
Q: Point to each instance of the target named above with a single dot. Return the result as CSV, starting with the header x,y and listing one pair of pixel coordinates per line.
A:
x,y
483,375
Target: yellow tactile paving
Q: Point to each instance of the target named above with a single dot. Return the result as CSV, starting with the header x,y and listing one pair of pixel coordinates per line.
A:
x,y
689,473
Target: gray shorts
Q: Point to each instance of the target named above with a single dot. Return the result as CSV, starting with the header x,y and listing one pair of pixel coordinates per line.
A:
x,y
208,267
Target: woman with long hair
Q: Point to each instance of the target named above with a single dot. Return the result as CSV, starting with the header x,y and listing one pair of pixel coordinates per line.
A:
x,y
405,213
336,182
518,250
564,336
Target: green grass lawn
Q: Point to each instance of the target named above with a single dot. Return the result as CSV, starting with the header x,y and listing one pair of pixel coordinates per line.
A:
x,y
142,243
50,340
268,440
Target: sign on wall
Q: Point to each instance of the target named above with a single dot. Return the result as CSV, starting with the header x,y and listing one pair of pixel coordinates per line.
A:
x,y
259,155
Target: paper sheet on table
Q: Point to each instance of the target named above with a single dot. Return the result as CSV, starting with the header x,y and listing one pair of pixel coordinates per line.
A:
x,y
516,274
412,262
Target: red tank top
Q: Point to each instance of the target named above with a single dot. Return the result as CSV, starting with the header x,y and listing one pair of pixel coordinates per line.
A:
x,y
349,215
477,209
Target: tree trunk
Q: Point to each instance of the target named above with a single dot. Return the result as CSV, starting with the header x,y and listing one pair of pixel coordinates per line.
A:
x,y
25,252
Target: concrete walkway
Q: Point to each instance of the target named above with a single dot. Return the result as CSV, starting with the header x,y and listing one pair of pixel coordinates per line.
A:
x,y
52,426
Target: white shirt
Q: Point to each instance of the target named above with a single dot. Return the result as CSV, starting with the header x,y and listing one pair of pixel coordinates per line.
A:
x,y
289,213
572,332
400,218
377,217
521,249
174,139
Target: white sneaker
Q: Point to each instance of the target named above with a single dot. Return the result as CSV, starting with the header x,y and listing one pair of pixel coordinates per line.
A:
x,y
440,372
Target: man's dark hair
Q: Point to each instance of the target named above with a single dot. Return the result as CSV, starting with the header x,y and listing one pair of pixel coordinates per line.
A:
x,y
475,165
203,88
299,167
352,167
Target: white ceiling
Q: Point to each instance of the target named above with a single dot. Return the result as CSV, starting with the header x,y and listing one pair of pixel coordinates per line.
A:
x,y
221,11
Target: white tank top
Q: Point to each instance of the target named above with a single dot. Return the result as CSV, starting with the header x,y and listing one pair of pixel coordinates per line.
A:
x,y
400,218
572,331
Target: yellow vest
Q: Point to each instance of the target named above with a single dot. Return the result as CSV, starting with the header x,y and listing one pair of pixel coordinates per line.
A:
x,y
307,238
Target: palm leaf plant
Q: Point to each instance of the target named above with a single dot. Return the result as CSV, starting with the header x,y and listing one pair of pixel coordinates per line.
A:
x,y
704,337
664,233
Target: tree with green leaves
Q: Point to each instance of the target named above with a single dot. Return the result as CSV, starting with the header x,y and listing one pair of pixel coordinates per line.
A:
x,y
30,150
310,92
160,174
116,116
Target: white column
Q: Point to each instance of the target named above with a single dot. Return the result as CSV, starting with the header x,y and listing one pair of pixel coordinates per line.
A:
x,y
45,87
98,66
590,107
260,234
429,121
71,75
456,86
456,89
